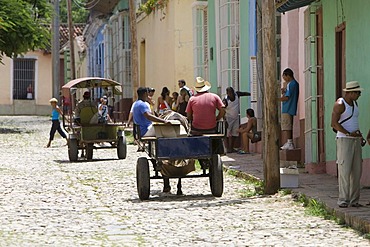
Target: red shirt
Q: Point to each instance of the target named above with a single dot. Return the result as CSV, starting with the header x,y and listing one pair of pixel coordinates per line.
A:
x,y
203,106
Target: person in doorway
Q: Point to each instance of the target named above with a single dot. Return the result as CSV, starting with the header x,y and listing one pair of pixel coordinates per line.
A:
x,y
201,108
30,92
247,131
290,93
232,108
55,113
349,139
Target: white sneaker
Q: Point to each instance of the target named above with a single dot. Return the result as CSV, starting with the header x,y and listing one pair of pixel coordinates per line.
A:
x,y
288,146
284,146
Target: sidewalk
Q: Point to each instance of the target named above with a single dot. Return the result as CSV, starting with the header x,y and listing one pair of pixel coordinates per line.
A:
x,y
317,186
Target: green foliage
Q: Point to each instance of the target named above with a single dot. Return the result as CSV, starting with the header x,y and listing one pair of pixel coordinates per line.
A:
x,y
317,208
251,186
152,5
79,13
24,26
129,137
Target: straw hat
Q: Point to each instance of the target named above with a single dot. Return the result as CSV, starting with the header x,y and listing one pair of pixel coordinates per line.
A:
x,y
352,86
53,100
201,85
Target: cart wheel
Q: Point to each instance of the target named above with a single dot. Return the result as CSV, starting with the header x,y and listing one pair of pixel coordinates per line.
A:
x,y
216,178
89,151
72,150
121,148
143,178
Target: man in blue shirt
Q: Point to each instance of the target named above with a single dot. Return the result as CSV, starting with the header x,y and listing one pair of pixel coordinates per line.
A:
x,y
142,114
289,98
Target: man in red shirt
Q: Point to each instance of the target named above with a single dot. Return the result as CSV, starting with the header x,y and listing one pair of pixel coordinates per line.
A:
x,y
201,109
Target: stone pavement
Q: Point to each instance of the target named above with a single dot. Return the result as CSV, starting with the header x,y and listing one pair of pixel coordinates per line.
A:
x,y
318,186
47,201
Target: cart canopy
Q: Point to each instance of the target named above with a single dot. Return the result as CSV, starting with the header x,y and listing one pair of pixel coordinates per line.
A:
x,y
92,82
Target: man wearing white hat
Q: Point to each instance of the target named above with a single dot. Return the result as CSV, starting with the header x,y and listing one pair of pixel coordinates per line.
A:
x,y
344,120
201,108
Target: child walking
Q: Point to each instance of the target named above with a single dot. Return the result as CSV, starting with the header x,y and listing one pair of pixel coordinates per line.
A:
x,y
56,111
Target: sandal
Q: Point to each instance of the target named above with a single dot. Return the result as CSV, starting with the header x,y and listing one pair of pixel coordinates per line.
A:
x,y
343,205
243,152
356,205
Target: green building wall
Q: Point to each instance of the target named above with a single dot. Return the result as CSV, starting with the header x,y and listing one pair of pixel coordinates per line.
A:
x,y
357,59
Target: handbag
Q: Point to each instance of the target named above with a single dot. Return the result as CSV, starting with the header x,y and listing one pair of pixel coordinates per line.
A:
x,y
344,120
257,136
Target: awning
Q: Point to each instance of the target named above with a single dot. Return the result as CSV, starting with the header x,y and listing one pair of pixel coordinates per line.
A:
x,y
286,5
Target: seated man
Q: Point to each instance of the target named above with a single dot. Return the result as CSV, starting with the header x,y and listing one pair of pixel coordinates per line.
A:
x,y
86,102
201,109
142,114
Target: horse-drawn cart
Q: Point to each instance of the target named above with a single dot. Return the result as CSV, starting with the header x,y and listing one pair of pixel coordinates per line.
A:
x,y
206,149
87,135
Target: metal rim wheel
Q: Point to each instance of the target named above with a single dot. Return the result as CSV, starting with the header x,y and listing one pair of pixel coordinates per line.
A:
x,y
216,178
143,178
122,147
72,150
89,151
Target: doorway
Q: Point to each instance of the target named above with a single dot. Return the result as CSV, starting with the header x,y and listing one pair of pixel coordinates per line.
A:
x,y
340,57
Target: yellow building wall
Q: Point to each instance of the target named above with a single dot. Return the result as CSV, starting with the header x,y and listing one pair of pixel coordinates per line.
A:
x,y
42,90
5,85
167,55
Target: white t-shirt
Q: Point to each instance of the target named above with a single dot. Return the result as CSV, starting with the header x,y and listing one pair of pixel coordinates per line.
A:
x,y
233,108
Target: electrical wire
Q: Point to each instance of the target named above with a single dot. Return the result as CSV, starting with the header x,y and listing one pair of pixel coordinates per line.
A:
x,y
86,6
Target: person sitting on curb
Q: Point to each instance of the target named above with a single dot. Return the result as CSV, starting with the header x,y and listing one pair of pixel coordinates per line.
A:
x,y
247,132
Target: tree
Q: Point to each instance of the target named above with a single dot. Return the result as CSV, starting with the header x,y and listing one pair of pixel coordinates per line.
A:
x,y
24,26
79,12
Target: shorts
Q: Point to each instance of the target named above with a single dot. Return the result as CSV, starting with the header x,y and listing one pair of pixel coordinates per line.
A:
x,y
233,126
286,121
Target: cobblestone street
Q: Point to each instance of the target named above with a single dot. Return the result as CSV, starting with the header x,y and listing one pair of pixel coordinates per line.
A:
x,y
47,201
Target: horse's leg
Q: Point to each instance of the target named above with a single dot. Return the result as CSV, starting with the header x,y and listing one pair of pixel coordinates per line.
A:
x,y
179,191
166,184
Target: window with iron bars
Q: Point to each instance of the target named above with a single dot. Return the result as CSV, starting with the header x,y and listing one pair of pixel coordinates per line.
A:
x,y
23,77
200,37
117,58
228,25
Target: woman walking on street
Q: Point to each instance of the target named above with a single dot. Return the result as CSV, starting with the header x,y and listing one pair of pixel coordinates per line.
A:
x,y
56,111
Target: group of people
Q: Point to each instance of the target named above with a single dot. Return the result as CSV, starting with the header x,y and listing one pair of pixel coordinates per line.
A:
x,y
200,108
179,100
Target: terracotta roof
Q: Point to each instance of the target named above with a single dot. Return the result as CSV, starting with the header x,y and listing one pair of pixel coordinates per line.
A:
x,y
64,35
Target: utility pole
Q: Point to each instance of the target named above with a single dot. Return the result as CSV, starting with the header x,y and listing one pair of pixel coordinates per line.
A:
x,y
260,80
271,159
71,41
134,47
55,51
